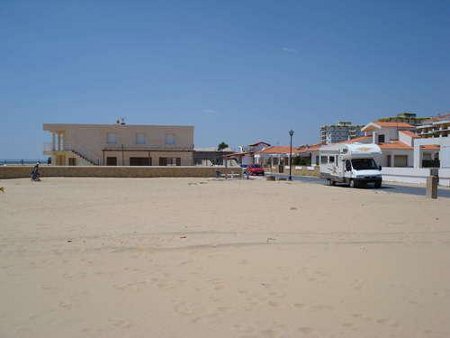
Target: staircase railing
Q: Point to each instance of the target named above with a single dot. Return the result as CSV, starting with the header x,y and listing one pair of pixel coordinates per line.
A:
x,y
84,153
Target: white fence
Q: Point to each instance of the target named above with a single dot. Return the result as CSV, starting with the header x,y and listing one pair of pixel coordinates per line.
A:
x,y
414,175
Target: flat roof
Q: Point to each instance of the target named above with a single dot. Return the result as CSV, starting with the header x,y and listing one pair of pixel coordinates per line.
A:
x,y
47,126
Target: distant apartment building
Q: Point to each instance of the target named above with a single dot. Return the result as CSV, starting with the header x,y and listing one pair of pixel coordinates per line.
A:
x,y
120,144
340,131
438,126
406,117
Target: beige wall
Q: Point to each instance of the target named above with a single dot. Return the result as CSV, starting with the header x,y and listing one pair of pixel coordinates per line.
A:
x,y
187,158
100,171
91,140
296,170
396,152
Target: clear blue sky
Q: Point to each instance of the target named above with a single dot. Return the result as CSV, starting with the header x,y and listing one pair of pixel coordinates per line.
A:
x,y
239,71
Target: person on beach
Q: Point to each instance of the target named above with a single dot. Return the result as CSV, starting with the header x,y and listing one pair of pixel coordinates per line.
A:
x,y
35,175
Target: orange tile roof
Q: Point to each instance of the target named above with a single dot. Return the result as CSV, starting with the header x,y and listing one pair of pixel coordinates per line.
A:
x,y
278,150
308,148
409,133
395,145
438,118
391,124
430,147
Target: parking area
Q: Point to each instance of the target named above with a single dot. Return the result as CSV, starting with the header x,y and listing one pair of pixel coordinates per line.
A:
x,y
395,188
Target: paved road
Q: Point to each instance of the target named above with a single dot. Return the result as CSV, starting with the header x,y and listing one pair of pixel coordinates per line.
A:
x,y
388,187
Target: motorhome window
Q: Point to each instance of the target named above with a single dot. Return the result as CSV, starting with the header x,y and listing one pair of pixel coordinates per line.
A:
x,y
348,166
331,159
323,160
364,164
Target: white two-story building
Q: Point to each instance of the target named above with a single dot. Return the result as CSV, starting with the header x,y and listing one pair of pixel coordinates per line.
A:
x,y
396,140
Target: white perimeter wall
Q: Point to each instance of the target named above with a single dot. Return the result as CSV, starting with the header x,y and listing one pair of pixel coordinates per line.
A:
x,y
414,175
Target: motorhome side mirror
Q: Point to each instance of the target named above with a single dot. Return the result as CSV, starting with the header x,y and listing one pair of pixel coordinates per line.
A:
x,y
379,167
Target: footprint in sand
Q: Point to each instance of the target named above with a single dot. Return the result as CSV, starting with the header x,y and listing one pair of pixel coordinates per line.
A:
x,y
219,287
121,323
65,305
305,330
321,307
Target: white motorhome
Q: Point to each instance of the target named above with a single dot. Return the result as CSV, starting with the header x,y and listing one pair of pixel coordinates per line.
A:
x,y
351,163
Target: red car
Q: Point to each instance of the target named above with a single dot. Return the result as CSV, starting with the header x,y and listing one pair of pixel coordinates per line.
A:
x,y
254,170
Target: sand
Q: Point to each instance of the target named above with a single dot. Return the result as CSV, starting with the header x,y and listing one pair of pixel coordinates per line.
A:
x,y
210,258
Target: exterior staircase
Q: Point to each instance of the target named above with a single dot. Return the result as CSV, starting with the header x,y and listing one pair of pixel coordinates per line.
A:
x,y
83,160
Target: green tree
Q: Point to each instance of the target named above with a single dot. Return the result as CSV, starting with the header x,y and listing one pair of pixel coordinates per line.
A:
x,y
222,146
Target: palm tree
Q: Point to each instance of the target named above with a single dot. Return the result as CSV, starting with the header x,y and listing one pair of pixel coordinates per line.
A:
x,y
222,146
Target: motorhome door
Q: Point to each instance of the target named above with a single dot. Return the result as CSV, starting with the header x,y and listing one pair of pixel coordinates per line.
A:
x,y
347,169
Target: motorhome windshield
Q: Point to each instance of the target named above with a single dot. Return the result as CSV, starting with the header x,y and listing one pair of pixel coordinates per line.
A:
x,y
364,164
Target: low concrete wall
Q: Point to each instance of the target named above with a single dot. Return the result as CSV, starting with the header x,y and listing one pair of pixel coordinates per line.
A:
x,y
296,170
414,175
100,171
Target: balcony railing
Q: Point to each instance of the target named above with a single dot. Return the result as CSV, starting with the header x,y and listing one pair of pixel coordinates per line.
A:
x,y
48,147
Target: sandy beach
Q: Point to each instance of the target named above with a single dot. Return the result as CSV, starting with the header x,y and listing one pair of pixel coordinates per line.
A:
x,y
213,258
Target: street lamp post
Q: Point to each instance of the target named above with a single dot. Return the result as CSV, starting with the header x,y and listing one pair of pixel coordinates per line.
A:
x,y
291,133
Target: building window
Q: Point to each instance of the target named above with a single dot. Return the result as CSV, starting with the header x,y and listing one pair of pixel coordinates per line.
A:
x,y
111,138
381,138
170,161
140,161
331,159
140,138
323,160
170,139
400,161
111,161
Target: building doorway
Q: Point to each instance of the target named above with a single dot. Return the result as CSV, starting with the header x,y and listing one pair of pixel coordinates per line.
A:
x,y
400,161
112,161
140,161
172,161
60,159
